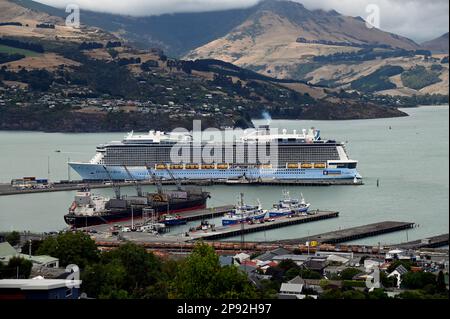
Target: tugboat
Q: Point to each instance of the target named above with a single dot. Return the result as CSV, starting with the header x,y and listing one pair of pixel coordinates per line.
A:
x,y
288,206
244,213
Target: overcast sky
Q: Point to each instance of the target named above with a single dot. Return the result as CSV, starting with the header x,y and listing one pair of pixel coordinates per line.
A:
x,y
419,20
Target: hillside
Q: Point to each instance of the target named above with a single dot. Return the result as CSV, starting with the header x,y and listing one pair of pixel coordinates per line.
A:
x,y
285,40
19,18
438,45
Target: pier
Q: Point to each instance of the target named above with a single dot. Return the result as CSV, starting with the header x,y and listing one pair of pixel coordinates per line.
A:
x,y
429,242
244,228
354,233
64,186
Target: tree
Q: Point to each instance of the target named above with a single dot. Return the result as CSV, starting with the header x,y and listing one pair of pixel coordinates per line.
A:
x,y
353,294
440,283
13,238
331,294
378,293
104,280
349,273
35,244
141,268
201,276
71,248
17,267
418,280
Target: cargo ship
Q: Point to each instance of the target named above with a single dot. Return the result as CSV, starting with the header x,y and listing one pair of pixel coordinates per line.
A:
x,y
300,156
89,209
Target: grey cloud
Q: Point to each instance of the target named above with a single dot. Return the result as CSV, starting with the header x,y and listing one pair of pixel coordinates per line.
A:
x,y
417,19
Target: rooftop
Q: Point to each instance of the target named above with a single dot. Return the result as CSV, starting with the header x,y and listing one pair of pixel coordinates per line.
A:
x,y
38,284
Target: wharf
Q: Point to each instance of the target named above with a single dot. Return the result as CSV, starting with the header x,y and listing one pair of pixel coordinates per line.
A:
x,y
349,234
64,186
430,242
240,229
200,214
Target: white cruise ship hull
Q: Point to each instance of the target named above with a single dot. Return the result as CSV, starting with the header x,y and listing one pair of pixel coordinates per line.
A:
x,y
97,172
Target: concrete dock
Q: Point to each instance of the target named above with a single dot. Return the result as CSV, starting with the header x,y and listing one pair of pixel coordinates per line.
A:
x,y
349,234
239,229
430,242
7,189
200,214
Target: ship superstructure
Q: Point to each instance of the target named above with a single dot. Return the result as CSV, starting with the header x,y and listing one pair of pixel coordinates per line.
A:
x,y
299,155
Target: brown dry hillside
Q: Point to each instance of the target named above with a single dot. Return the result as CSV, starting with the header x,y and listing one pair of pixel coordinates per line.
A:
x,y
438,45
11,11
270,37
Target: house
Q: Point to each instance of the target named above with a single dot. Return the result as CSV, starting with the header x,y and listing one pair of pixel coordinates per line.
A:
x,y
7,252
316,264
330,271
298,259
338,259
398,273
371,264
294,289
241,257
270,255
39,288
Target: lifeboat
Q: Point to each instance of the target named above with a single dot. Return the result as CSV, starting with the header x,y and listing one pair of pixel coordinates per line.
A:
x,y
192,166
176,166
161,166
307,165
320,165
223,166
208,166
292,165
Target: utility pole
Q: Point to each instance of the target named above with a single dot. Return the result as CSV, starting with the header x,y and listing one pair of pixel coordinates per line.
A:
x,y
48,168
68,169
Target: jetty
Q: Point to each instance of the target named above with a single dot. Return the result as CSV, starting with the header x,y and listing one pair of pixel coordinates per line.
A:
x,y
349,234
273,223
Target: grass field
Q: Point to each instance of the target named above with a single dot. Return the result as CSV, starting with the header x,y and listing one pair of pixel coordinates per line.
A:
x,y
11,50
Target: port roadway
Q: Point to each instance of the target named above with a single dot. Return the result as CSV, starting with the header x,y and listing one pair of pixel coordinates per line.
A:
x,y
430,242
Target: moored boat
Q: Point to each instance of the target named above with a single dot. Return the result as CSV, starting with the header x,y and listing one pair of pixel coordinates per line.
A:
x,y
288,206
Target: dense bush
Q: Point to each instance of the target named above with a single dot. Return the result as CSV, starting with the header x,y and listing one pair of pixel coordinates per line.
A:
x,y
419,77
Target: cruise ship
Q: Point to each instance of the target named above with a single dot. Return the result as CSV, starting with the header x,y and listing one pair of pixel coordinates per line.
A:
x,y
301,156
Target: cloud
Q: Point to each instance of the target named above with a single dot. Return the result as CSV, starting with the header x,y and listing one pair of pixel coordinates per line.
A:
x,y
417,19
152,7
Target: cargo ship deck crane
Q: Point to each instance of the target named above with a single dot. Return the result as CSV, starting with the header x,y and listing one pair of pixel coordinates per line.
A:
x,y
114,185
135,181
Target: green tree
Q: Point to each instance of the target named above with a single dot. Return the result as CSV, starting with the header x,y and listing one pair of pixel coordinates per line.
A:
x,y
13,238
104,280
349,273
440,283
353,294
18,268
141,268
331,294
35,244
201,276
378,293
70,248
418,280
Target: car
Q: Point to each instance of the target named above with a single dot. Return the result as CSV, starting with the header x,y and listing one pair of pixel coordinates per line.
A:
x,y
126,229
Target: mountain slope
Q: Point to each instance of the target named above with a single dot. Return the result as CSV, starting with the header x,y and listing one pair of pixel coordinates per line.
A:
x,y
283,30
438,45
21,18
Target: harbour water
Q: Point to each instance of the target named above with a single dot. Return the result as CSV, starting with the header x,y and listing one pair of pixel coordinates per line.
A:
x,y
407,156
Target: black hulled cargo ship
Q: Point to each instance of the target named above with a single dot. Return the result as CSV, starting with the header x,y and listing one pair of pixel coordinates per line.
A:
x,y
89,209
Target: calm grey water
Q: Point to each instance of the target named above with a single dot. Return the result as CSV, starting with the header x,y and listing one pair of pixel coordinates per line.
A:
x,y
410,160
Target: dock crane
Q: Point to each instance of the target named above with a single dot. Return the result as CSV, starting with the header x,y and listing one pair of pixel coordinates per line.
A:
x,y
155,180
114,185
135,181
177,180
